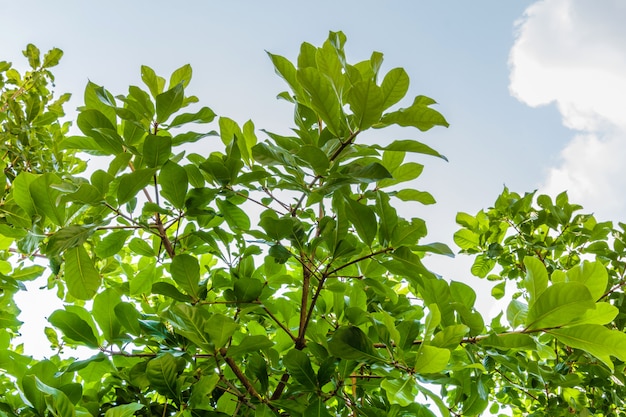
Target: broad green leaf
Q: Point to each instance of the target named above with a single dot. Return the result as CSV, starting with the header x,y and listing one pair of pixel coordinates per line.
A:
x,y
405,172
287,71
400,391
482,265
366,101
247,289
509,341
169,102
431,359
104,313
462,293
220,328
181,75
317,408
87,194
140,247
250,344
204,115
593,275
351,343
129,317
299,366
174,183
394,87
418,115
74,328
466,239
236,218
125,410
52,58
324,100
450,337
315,158
81,276
156,150
168,290
57,403
191,322
558,305
46,199
67,238
536,280
162,373
185,270
369,173
596,340
604,313
516,313
152,81
112,243
201,392
423,197
131,184
363,219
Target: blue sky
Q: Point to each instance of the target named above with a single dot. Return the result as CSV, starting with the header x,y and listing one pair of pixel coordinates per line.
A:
x,y
532,89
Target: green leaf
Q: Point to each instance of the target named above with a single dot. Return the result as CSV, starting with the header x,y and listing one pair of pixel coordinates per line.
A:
x,y
423,197
125,410
250,344
67,238
57,403
169,102
536,280
604,313
315,158
509,341
516,313
363,219
287,71
52,58
104,313
220,328
156,150
112,243
185,270
181,75
81,276
400,391
162,373
466,239
394,87
247,289
558,305
366,101
324,100
129,317
74,328
204,115
418,115
593,275
174,183
46,198
152,81
191,322
236,218
596,340
431,359
317,408
351,343
131,184
299,366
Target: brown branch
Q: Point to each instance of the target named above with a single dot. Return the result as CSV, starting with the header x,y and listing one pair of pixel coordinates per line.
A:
x,y
240,376
280,324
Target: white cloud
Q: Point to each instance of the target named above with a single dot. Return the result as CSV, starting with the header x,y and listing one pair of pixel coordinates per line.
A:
x,y
573,53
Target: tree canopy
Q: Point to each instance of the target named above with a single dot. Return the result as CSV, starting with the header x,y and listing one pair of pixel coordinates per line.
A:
x,y
215,274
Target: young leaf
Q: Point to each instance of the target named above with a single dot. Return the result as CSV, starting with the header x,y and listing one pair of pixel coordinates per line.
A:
x,y
169,102
366,101
536,280
324,100
394,87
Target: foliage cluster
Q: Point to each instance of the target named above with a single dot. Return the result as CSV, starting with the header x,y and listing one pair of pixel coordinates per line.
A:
x,y
276,277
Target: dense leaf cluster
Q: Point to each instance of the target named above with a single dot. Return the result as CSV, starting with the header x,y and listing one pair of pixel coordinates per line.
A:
x,y
214,274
